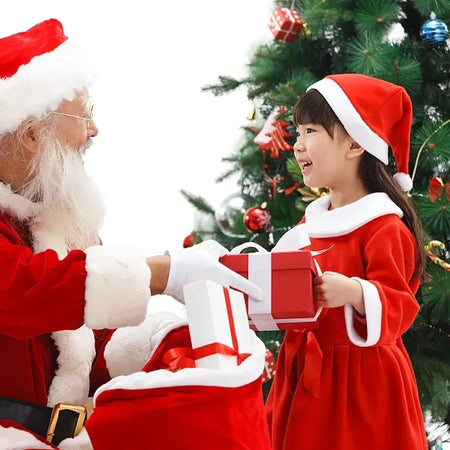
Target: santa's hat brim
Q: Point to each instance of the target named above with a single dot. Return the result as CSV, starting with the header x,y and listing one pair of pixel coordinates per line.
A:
x,y
39,86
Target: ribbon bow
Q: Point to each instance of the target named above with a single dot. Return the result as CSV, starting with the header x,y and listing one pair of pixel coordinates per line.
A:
x,y
184,357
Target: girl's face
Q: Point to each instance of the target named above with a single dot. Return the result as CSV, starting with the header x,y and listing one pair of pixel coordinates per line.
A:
x,y
322,158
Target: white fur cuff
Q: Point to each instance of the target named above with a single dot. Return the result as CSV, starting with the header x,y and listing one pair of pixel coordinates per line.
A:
x,y
117,286
373,308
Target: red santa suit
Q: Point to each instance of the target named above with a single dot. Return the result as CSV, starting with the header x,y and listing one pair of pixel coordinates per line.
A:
x,y
188,408
348,384
44,290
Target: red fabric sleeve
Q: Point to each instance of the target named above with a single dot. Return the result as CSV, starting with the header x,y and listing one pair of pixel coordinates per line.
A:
x,y
39,293
390,257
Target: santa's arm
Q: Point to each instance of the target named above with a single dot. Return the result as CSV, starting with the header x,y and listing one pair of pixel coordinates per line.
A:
x,y
104,287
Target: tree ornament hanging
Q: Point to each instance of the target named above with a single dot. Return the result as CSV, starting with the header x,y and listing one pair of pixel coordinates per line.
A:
x,y
434,31
285,24
436,187
257,220
273,134
269,366
263,137
189,240
230,214
435,258
274,184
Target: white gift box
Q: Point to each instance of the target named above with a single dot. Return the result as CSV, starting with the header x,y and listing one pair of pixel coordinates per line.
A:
x,y
218,325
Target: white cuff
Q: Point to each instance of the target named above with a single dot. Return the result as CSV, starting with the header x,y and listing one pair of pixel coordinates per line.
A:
x,y
373,307
117,286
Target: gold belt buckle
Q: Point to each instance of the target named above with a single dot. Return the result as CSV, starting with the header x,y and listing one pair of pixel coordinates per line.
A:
x,y
81,410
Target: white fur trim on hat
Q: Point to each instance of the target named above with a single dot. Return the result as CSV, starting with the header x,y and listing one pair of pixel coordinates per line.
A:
x,y
39,86
117,286
351,119
373,307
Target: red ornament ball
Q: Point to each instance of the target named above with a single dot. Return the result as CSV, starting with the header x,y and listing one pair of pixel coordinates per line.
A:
x,y
257,220
189,241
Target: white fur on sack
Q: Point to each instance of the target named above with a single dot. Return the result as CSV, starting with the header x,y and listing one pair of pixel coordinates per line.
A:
x,y
248,371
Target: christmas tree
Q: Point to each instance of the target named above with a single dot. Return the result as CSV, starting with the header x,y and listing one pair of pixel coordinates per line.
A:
x,y
404,42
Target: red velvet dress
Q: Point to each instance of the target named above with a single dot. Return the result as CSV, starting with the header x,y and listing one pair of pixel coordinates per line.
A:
x,y
349,384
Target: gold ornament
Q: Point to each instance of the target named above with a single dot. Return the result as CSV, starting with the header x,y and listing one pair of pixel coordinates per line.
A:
x,y
252,115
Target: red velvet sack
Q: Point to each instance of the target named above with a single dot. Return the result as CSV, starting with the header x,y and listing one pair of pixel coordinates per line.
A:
x,y
189,408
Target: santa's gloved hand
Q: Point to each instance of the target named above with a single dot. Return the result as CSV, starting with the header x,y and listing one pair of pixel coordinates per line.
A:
x,y
200,262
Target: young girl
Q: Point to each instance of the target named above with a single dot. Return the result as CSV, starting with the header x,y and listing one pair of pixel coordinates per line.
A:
x,y
348,384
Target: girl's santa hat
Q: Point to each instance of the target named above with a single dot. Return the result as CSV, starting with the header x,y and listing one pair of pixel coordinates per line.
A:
x,y
375,113
38,69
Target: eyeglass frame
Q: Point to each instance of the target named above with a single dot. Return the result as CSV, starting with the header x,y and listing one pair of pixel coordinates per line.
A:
x,y
88,119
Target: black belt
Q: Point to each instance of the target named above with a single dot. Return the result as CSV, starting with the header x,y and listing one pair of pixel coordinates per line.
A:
x,y
54,424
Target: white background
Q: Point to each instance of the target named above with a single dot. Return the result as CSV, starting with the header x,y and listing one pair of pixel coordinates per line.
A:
x,y
158,132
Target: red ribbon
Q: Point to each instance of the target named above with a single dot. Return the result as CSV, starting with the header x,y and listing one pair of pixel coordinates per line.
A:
x,y
179,358
184,357
274,181
310,376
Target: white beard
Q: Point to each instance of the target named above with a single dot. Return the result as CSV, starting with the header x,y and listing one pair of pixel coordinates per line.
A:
x,y
69,217
70,205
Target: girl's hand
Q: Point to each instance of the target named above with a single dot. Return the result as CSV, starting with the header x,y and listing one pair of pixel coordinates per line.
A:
x,y
332,289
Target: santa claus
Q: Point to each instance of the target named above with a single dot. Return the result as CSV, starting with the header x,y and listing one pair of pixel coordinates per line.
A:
x,y
58,282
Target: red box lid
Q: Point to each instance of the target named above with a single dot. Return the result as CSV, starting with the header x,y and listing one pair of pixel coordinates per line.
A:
x,y
299,259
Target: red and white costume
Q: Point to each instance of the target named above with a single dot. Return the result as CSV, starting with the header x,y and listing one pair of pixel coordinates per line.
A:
x,y
105,287
43,292
349,384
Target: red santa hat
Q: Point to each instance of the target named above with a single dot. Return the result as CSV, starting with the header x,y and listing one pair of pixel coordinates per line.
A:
x,y
375,113
38,69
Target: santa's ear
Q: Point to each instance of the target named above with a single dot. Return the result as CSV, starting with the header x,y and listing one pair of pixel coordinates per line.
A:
x,y
29,138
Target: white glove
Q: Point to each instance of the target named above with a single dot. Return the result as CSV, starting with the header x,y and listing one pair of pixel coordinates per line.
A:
x,y
200,262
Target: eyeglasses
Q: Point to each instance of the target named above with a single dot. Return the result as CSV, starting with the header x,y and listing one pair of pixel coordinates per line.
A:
x,y
88,117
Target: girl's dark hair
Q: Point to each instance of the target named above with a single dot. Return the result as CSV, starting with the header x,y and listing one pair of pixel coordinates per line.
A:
x,y
313,108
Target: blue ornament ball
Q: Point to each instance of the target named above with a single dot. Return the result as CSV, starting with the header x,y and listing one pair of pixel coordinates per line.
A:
x,y
434,31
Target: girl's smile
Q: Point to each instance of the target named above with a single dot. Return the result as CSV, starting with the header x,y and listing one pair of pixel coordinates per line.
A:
x,y
304,165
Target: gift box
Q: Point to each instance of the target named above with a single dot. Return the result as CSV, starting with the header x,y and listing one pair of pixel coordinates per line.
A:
x,y
285,24
286,280
218,325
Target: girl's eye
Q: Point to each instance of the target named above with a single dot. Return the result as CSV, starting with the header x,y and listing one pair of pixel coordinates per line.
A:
x,y
297,133
309,130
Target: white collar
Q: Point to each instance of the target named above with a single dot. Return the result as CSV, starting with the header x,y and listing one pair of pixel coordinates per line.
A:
x,y
322,222
15,205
